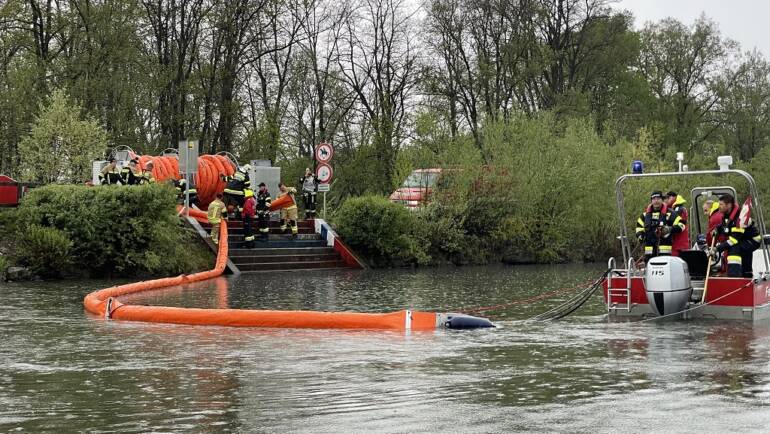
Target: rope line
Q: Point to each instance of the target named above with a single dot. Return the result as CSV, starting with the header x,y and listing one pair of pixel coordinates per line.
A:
x,y
542,296
697,306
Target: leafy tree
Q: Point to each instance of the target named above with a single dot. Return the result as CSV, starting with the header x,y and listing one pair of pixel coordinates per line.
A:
x,y
61,145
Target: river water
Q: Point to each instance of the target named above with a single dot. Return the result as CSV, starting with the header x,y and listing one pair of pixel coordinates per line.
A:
x,y
64,370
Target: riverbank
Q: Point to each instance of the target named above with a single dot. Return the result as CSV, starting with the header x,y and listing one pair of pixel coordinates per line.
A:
x,y
70,231
476,231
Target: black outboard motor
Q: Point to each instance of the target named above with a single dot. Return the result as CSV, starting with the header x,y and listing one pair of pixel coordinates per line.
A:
x,y
462,321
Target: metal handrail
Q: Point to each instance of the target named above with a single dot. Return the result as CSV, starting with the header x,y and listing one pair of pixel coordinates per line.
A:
x,y
230,157
759,216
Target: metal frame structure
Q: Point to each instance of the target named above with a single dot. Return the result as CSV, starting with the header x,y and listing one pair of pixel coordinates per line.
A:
x,y
757,214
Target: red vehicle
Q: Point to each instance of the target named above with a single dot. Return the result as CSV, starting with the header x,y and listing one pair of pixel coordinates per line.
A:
x,y
417,188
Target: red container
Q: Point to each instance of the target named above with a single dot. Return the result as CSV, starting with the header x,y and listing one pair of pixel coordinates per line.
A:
x,y
9,191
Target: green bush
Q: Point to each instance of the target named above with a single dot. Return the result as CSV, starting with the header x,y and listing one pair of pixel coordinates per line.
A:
x,y
116,230
386,234
46,251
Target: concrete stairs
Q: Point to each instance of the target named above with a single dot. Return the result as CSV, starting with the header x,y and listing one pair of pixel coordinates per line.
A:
x,y
281,252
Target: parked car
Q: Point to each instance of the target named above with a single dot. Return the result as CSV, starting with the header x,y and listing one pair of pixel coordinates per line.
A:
x,y
417,188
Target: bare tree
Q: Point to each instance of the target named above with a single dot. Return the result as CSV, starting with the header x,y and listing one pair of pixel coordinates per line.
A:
x,y
379,63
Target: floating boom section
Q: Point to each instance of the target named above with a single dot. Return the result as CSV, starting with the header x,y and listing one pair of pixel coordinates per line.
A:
x,y
104,303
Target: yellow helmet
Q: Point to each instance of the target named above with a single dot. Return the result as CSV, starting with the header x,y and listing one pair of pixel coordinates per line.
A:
x,y
248,192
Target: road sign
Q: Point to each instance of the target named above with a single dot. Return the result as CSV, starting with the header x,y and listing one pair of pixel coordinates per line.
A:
x,y
323,188
324,173
188,156
324,152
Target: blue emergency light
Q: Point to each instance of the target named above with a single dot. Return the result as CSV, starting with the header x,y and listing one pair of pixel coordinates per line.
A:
x,y
637,167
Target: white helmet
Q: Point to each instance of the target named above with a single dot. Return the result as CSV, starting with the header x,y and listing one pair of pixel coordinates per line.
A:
x,y
246,168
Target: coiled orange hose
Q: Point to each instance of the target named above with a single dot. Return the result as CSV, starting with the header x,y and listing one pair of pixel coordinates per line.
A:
x,y
207,181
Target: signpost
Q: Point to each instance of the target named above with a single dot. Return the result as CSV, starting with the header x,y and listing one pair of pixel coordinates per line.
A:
x,y
324,152
188,154
323,171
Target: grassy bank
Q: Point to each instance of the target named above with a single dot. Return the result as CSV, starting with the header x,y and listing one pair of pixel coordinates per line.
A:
x,y
79,231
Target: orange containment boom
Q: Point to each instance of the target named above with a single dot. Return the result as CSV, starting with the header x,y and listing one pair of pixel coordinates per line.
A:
x,y
282,202
104,303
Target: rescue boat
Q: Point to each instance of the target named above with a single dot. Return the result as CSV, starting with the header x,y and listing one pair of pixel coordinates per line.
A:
x,y
685,286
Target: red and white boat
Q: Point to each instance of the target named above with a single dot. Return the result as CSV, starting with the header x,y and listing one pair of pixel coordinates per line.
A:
x,y
674,286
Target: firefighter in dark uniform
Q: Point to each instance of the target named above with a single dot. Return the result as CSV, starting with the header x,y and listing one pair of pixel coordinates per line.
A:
x,y
110,174
653,228
180,185
309,185
129,173
742,239
236,185
145,176
263,211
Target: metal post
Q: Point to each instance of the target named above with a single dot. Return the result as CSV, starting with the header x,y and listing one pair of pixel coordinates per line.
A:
x,y
324,205
187,179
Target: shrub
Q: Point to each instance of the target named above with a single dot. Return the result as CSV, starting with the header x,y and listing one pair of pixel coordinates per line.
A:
x,y
46,251
384,232
116,230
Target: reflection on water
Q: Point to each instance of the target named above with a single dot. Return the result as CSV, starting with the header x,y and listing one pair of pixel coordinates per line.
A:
x,y
61,367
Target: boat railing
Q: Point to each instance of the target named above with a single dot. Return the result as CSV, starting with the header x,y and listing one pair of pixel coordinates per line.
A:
x,y
624,292
757,216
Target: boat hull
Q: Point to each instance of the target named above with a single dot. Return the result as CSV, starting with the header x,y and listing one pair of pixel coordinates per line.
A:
x,y
724,299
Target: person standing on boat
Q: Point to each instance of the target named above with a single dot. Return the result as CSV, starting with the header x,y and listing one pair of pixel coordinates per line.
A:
x,y
652,228
680,238
742,238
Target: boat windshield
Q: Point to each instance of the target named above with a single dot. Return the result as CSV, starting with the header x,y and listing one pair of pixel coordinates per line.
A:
x,y
421,180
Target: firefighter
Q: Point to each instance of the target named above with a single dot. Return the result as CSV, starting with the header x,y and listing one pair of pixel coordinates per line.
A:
x,y
180,185
653,229
129,173
248,214
263,211
145,175
742,238
680,237
309,185
234,191
110,174
215,214
290,212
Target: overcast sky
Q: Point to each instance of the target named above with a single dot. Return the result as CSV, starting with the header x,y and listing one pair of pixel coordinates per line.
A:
x,y
745,21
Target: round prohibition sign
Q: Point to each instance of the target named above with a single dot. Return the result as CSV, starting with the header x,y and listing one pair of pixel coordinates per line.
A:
x,y
324,173
324,152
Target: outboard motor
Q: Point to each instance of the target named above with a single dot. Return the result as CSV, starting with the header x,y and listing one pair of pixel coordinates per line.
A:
x,y
667,280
